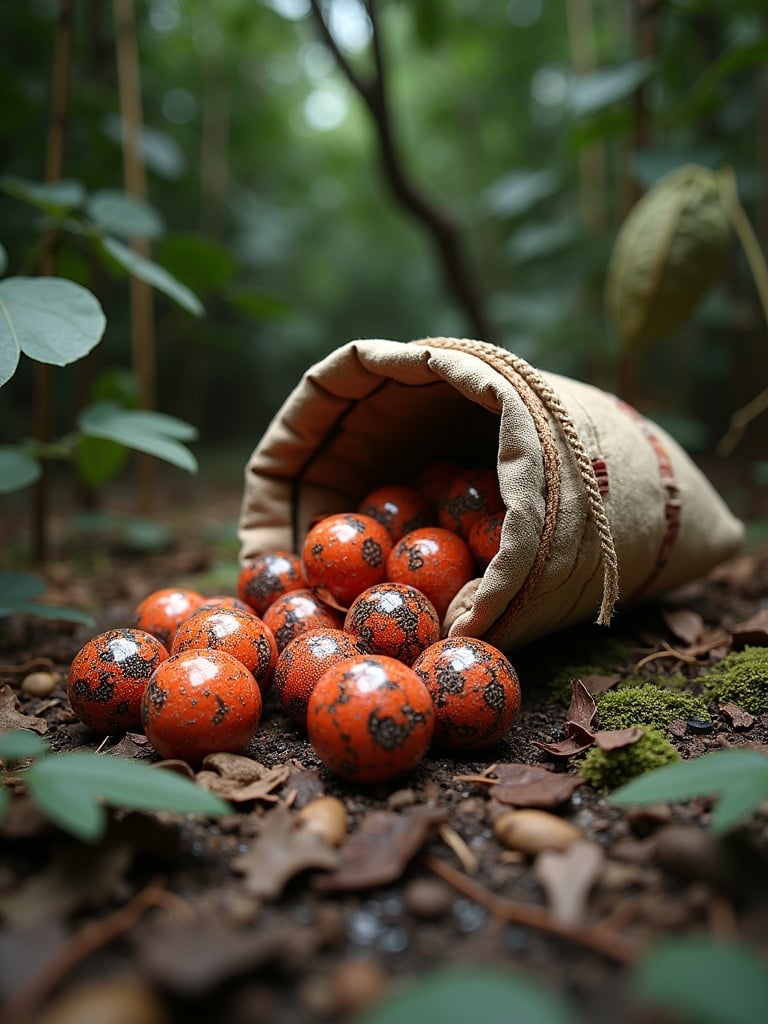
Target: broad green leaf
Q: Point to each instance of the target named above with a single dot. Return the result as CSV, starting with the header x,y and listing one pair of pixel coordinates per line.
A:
x,y
599,89
99,460
705,982
740,800
669,251
118,213
50,319
162,154
535,241
17,469
517,192
9,350
128,784
64,195
708,775
480,995
47,611
3,259
69,806
19,587
153,274
145,431
20,743
203,264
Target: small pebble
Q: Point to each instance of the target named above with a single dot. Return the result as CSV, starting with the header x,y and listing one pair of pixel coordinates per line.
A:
x,y
699,725
326,817
40,684
428,898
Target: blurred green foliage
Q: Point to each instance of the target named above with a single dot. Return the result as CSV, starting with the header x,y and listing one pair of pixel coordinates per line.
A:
x,y
535,125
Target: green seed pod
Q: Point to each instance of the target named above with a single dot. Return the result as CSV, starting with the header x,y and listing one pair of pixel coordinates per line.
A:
x,y
669,251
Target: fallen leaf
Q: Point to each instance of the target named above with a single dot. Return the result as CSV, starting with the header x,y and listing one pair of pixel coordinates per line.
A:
x,y
134,746
237,767
238,792
380,850
582,709
567,878
579,740
526,785
685,624
12,717
283,849
753,631
617,739
600,683
738,717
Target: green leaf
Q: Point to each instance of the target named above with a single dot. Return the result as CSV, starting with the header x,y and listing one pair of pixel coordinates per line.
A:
x,y
48,611
19,744
599,89
99,460
145,431
50,319
17,469
19,587
706,982
120,214
203,264
669,251
162,154
97,778
58,198
738,777
515,193
71,808
153,274
3,259
480,995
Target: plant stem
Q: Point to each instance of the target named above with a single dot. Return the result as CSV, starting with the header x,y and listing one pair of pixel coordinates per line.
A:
x,y
729,195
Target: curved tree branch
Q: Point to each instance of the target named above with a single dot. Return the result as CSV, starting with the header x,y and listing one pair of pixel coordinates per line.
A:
x,y
439,225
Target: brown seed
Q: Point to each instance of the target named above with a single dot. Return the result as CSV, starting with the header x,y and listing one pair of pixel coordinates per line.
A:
x,y
327,817
119,1001
531,831
40,684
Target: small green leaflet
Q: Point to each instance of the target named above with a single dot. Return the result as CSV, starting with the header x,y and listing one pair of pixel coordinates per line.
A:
x,y
50,319
143,430
707,982
20,587
18,593
153,274
118,213
480,995
56,198
738,777
17,469
71,789
20,743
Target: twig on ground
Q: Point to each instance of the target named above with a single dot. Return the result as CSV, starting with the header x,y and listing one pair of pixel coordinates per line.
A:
x,y
609,944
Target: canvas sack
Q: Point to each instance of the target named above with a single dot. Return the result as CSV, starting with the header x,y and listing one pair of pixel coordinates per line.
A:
x,y
601,504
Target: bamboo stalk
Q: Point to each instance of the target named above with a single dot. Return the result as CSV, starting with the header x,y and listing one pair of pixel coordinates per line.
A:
x,y
141,295
54,167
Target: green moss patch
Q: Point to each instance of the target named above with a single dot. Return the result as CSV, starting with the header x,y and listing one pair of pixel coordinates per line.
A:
x,y
741,678
646,706
606,771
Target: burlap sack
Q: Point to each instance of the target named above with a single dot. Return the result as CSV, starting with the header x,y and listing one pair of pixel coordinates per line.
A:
x,y
600,502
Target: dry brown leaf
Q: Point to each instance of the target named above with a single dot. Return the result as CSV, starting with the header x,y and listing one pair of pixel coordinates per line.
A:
x,y
617,739
578,741
526,785
283,849
12,717
382,847
738,717
237,767
685,624
582,709
753,631
600,683
133,745
567,877
238,792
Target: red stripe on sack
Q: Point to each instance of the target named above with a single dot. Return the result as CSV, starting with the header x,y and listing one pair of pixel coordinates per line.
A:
x,y
673,506
600,467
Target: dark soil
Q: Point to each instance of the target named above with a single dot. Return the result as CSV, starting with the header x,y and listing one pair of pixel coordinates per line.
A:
x,y
209,949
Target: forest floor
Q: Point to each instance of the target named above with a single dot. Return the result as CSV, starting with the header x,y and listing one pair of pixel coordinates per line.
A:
x,y
236,921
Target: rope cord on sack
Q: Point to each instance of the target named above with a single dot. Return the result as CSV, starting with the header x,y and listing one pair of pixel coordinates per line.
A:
x,y
494,355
